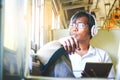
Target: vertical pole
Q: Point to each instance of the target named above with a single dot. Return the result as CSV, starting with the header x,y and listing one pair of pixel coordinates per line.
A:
x,y
1,38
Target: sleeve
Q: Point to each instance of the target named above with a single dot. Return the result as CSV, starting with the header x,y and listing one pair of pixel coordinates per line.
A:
x,y
107,59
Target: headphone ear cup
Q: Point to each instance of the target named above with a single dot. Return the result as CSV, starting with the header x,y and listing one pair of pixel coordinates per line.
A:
x,y
94,30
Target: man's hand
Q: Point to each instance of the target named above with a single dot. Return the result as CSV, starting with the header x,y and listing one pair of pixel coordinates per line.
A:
x,y
85,74
69,43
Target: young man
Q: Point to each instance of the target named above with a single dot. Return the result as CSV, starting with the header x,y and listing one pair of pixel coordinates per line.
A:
x,y
79,51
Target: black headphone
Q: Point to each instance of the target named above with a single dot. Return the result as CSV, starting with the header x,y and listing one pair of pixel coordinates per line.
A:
x,y
94,28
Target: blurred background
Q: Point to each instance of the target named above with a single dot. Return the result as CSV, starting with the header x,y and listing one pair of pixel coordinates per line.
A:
x,y
27,25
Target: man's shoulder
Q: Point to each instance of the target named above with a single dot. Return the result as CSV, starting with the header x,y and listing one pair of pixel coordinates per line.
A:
x,y
98,49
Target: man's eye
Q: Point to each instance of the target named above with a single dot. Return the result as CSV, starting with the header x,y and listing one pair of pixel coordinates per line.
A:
x,y
81,25
73,25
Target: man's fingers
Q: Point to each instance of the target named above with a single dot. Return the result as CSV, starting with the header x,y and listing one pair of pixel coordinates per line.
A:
x,y
69,43
69,46
74,45
65,46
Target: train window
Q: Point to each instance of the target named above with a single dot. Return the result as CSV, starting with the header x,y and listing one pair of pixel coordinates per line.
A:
x,y
37,23
10,37
55,16
15,37
55,20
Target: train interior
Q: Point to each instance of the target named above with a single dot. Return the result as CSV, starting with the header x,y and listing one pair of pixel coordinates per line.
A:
x,y
27,25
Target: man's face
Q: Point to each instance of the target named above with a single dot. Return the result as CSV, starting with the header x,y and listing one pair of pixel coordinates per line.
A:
x,y
80,29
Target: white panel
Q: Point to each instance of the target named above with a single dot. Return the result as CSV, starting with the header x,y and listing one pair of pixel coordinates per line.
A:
x,y
118,65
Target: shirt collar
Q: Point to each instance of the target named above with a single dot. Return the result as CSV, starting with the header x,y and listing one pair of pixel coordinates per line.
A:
x,y
91,50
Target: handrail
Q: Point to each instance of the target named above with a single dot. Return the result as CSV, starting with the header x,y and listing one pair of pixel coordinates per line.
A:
x,y
109,13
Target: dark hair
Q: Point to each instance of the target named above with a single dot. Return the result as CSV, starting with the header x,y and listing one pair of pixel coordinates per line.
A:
x,y
91,20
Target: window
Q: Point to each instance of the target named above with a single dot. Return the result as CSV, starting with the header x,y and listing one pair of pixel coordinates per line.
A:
x,y
55,21
37,23
10,28
55,16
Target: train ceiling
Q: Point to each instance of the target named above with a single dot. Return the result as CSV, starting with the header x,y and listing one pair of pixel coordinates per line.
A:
x,y
103,9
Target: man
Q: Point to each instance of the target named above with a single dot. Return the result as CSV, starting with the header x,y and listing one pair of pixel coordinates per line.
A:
x,y
77,49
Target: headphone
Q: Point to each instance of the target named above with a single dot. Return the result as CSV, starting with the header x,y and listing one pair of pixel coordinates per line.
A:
x,y
94,28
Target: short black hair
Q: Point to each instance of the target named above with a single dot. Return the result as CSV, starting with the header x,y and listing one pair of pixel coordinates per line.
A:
x,y
91,20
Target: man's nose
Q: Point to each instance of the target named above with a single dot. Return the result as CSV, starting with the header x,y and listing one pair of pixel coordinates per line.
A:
x,y
76,28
